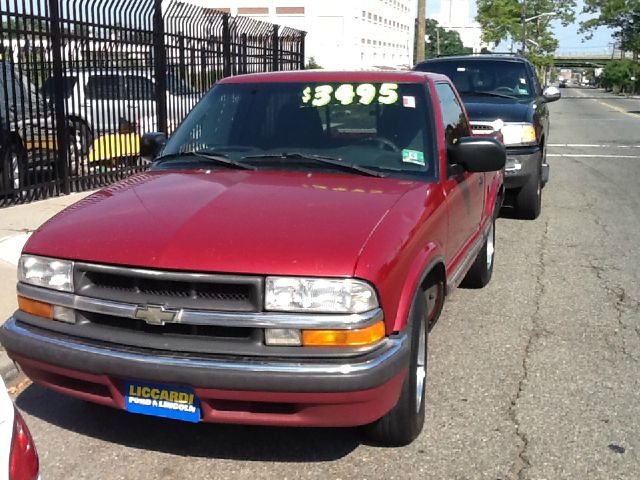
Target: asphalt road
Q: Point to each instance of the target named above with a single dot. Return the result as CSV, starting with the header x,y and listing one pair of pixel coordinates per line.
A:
x,y
534,377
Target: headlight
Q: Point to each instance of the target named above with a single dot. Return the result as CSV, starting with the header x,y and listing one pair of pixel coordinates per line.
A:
x,y
46,272
518,134
323,295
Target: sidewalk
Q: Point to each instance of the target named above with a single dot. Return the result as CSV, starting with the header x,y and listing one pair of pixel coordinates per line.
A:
x,y
16,225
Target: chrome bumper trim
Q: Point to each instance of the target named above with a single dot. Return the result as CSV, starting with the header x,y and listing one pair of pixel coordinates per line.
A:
x,y
389,348
206,317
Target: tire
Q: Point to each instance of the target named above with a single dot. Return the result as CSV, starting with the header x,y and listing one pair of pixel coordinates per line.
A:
x,y
13,175
80,139
528,200
404,422
479,275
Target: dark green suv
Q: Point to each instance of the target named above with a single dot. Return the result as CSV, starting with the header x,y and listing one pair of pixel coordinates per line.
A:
x,y
501,93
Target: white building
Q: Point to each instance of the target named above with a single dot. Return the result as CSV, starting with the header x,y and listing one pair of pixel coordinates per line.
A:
x,y
455,15
341,34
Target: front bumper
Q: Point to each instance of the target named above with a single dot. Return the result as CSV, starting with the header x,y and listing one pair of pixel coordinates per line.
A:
x,y
266,391
521,164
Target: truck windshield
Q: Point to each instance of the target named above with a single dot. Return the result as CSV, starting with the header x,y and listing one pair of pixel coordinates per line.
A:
x,y
383,127
484,77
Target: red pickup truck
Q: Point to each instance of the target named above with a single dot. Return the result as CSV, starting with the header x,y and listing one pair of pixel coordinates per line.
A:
x,y
280,263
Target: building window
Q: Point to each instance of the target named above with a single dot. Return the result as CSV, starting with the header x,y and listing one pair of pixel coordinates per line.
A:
x,y
289,10
253,11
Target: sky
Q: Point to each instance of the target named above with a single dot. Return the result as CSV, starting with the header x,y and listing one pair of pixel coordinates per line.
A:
x,y
570,40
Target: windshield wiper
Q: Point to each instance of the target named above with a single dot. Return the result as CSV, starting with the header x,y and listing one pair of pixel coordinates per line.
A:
x,y
335,162
213,157
487,94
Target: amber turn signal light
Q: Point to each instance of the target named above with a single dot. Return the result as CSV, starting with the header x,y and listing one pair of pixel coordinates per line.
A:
x,y
34,307
343,338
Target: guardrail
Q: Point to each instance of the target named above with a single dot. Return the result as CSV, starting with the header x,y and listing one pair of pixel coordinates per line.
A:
x,y
81,80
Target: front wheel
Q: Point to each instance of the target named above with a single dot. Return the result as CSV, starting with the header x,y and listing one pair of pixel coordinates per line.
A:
x,y
403,423
481,271
13,171
80,139
529,199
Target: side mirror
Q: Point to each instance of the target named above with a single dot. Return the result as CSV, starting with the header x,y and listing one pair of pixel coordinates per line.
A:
x,y
151,144
551,94
478,154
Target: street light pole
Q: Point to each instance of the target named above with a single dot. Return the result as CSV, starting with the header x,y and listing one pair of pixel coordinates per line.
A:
x,y
524,20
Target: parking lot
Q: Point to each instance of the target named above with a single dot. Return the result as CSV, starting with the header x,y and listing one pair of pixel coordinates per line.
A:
x,y
533,377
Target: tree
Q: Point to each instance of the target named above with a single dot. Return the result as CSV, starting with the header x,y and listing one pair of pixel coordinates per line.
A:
x,y
501,20
312,64
622,16
618,76
442,42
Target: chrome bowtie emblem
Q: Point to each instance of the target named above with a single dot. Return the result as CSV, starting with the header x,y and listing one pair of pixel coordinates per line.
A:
x,y
155,314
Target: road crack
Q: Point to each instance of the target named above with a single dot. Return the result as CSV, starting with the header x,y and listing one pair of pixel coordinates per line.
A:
x,y
623,304
522,462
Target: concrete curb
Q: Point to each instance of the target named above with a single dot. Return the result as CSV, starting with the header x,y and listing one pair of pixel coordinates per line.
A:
x,y
8,370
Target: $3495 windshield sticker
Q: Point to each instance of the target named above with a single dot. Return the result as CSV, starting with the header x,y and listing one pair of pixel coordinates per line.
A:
x,y
349,93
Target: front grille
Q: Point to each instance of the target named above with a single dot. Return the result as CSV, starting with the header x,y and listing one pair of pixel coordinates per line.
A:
x,y
210,332
481,127
232,293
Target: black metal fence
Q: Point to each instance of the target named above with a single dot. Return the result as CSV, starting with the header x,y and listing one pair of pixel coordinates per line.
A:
x,y
81,80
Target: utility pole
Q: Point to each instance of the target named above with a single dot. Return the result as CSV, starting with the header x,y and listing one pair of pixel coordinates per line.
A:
x,y
420,30
523,19
438,41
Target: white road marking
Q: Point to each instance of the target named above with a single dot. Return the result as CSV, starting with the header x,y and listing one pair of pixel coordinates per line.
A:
x,y
590,156
589,145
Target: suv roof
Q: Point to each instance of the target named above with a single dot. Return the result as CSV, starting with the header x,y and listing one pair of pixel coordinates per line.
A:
x,y
504,57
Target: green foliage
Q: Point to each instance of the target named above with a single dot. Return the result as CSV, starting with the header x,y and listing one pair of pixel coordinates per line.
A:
x,y
449,41
617,76
622,16
312,65
501,21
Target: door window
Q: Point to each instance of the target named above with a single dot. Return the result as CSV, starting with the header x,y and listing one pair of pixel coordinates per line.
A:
x,y
139,88
106,87
454,120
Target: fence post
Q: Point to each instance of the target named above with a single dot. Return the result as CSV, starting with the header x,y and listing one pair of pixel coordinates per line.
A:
x,y
62,143
160,66
226,46
182,56
276,48
244,58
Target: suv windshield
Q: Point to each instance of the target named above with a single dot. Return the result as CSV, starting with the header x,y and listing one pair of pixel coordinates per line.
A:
x,y
485,77
382,127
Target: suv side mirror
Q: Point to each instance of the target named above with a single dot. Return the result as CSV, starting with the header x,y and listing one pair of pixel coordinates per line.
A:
x,y
151,144
551,94
478,154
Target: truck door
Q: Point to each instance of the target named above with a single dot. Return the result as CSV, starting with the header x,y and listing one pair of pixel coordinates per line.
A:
x,y
464,190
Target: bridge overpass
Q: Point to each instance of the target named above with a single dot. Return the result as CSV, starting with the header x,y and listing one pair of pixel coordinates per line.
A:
x,y
584,59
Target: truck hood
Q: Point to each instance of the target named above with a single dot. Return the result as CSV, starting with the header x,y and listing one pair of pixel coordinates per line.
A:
x,y
490,109
260,222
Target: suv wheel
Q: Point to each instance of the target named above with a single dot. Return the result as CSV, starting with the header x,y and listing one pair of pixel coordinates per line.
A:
x,y
13,175
480,272
529,199
80,139
403,423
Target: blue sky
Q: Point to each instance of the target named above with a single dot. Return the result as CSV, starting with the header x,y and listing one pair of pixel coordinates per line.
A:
x,y
570,40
